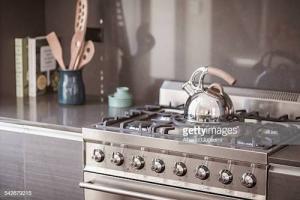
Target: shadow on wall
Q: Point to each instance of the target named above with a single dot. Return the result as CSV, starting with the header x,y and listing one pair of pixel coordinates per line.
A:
x,y
134,62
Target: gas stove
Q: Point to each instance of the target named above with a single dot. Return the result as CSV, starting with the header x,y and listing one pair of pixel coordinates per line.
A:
x,y
252,130
157,145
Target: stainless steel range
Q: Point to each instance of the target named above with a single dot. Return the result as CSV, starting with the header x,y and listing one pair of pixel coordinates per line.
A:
x,y
149,146
156,152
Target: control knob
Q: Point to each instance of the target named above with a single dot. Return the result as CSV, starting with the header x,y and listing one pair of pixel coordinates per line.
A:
x,y
117,158
158,165
225,176
180,169
248,180
202,172
98,155
138,162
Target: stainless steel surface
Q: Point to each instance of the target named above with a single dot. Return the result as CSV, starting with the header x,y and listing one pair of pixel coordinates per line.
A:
x,y
98,155
140,190
159,153
274,103
225,176
207,103
117,158
123,192
167,40
49,168
138,162
249,180
202,172
180,169
171,160
283,182
159,142
158,165
288,156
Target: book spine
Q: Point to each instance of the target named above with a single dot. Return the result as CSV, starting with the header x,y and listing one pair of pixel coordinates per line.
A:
x,y
19,67
32,66
25,66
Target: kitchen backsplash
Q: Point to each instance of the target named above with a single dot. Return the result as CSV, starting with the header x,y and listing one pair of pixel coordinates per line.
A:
x,y
256,41
148,41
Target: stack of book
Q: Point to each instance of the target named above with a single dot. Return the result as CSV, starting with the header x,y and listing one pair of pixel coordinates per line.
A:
x,y
36,68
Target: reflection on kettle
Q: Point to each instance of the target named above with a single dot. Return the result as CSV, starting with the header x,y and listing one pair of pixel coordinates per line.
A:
x,y
207,104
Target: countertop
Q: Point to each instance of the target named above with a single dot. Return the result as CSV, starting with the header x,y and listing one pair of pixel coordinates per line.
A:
x,y
45,111
289,155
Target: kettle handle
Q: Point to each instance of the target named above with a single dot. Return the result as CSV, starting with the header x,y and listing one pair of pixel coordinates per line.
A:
x,y
221,74
190,86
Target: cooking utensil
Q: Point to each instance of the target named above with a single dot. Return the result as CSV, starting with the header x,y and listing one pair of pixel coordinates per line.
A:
x,y
80,24
87,55
81,15
56,49
211,103
76,45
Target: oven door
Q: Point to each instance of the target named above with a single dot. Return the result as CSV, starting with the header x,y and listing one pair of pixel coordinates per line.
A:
x,y
98,186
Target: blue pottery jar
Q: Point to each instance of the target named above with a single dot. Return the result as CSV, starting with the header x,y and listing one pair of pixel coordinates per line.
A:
x,y
71,89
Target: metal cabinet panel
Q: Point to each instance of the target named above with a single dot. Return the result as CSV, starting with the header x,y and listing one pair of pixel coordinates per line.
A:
x,y
284,183
11,163
50,168
53,168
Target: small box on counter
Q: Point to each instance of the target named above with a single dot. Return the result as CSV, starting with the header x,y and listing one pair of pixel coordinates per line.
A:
x,y
36,68
43,72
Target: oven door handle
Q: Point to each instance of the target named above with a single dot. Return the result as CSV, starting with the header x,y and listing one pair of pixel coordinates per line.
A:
x,y
118,191
143,190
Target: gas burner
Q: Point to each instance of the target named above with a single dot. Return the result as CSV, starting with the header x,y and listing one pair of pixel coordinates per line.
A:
x,y
139,126
256,131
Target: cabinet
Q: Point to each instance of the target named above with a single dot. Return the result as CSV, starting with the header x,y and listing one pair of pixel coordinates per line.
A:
x,y
50,168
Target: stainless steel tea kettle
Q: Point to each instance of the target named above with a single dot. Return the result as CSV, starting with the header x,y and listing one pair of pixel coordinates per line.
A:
x,y
207,104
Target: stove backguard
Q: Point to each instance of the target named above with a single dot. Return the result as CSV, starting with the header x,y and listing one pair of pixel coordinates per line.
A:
x,y
266,102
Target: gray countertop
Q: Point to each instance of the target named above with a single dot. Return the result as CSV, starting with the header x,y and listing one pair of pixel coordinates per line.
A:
x,y
289,155
44,110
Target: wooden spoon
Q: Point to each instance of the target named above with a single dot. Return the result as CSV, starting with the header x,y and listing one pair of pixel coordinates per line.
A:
x,y
56,49
87,55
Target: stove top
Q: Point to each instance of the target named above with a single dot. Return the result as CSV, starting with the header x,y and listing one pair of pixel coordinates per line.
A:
x,y
244,129
156,144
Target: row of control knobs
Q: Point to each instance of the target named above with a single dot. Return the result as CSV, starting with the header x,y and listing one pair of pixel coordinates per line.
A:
x,y
180,169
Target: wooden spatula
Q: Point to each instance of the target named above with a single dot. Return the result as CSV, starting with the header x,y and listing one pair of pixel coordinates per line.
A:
x,y
77,43
56,49
87,55
81,15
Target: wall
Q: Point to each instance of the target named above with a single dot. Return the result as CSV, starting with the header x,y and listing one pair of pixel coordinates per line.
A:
x,y
17,19
148,41
256,41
